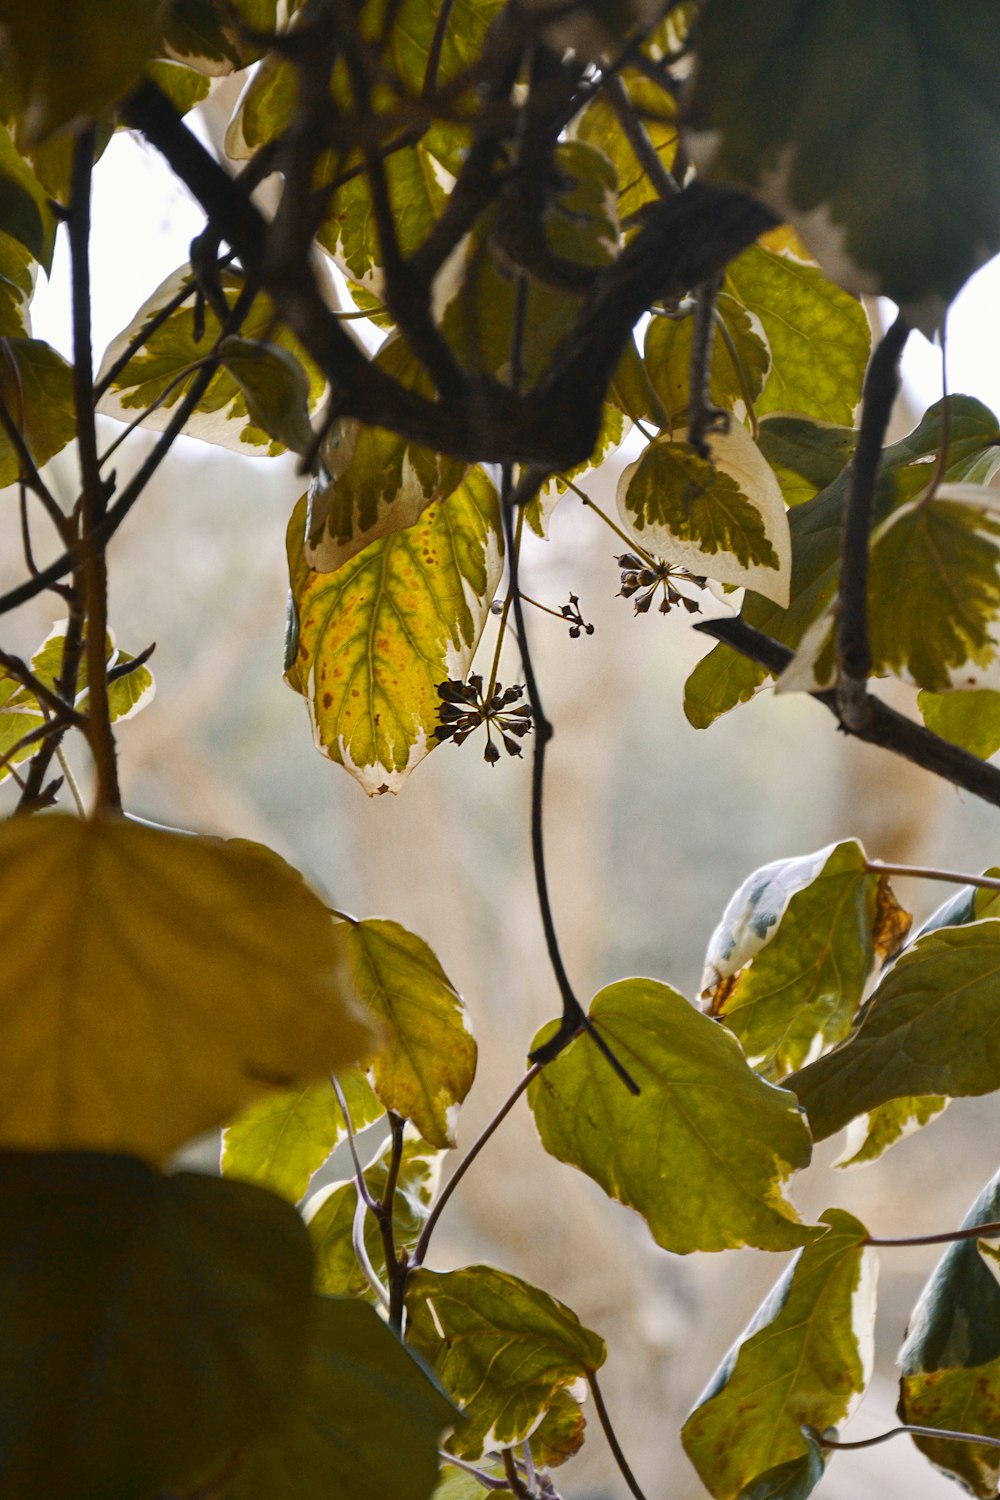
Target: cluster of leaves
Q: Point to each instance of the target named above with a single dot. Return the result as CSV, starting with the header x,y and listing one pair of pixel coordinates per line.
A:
x,y
500,192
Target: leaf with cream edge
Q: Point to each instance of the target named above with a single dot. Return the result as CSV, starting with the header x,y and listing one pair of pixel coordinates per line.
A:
x,y
427,1061
501,1348
739,360
911,224
722,517
805,1360
787,966
720,681
282,1140
227,972
36,385
599,126
928,1028
373,640
951,1357
870,1136
157,1325
703,1152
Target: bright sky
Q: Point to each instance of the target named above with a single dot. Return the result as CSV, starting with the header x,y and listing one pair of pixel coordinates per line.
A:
x,y
144,221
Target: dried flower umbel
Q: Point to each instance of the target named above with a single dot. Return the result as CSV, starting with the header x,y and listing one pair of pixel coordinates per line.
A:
x,y
463,709
643,576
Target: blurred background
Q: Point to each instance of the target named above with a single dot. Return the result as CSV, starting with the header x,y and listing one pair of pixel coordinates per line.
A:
x,y
651,826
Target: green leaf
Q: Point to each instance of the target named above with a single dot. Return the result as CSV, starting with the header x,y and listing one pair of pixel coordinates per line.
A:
x,y
417,197
788,964
927,1029
818,336
951,1358
198,34
168,356
703,1152
411,37
723,518
376,637
805,455
156,1325
226,972
720,681
895,187
599,126
740,360
36,385
264,109
367,1427
502,1349
871,1136
17,285
66,63
184,87
374,482
275,388
459,1484
330,1216
25,213
795,1479
970,719
284,1138
581,222
425,1067
804,1361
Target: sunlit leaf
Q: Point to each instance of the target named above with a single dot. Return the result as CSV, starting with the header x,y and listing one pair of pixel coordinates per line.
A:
x,y
167,358
501,1348
804,454
282,1139
226,972
599,125
376,637
871,1136
703,1152
929,1028
264,109
722,517
740,360
795,1479
720,681
425,1067
330,1216
36,385
153,1326
368,1425
788,964
25,213
275,388
374,482
970,719
885,203
804,1360
417,196
411,37
184,87
951,1357
818,336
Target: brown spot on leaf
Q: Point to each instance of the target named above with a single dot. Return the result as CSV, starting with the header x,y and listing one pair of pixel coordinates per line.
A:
x,y
892,921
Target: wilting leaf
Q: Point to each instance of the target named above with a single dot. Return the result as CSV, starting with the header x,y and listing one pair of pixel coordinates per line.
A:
x,y
870,1137
376,637
226,972
804,454
929,1028
374,482
501,1348
67,62
282,1139
951,1357
425,1067
166,360
275,388
970,719
740,360
721,679
788,964
368,1425
199,1289
724,518
911,221
703,1152
330,1216
818,336
804,1361
36,385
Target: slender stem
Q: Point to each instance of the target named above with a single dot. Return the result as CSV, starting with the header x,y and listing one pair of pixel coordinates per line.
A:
x,y
592,505
163,397
359,1172
15,667
515,1483
361,1252
419,1254
944,1433
546,609
854,657
946,1237
505,612
71,781
741,373
926,872
396,1270
609,1432
703,416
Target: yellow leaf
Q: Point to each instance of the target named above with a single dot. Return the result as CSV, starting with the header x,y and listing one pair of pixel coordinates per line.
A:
x,y
156,982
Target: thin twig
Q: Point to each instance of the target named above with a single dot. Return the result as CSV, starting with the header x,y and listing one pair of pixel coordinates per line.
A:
x,y
361,1252
609,1432
638,138
944,1433
359,1172
420,1252
926,872
15,667
946,1237
854,658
